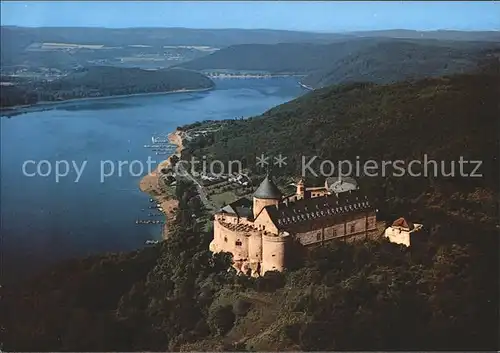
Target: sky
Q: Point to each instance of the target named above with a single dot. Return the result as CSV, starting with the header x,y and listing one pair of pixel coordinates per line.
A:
x,y
295,15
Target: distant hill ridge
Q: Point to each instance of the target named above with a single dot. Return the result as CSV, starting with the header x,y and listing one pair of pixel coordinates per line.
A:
x,y
393,61
379,60
221,37
490,36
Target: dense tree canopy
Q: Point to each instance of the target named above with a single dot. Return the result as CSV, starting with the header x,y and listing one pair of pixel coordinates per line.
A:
x,y
179,296
374,295
379,60
441,119
101,81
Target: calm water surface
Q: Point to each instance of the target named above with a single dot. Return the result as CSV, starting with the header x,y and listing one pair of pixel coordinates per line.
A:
x,y
44,221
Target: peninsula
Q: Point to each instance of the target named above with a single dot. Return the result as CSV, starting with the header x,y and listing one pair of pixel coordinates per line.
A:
x,y
99,82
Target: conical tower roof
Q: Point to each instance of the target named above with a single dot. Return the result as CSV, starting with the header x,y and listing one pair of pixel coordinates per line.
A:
x,y
268,190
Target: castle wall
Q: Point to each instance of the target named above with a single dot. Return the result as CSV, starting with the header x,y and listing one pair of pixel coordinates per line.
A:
x,y
225,217
403,236
244,245
350,227
333,231
355,225
371,221
264,223
311,237
398,236
255,247
300,190
227,240
274,252
318,191
259,204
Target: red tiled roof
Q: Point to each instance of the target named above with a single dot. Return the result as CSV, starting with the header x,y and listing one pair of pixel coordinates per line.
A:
x,y
403,223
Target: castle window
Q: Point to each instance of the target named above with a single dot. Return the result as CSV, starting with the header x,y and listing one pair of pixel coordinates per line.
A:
x,y
353,228
318,236
238,243
264,227
334,232
225,239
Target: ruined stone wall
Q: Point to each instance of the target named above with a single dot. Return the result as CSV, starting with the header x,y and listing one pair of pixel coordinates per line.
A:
x,y
404,236
398,236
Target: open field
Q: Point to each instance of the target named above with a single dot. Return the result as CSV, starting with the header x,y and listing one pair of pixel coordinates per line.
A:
x,y
141,58
196,47
223,198
49,46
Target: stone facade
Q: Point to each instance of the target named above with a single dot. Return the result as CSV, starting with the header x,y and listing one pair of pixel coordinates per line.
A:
x,y
259,233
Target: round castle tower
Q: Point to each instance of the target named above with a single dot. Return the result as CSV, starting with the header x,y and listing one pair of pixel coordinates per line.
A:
x,y
266,194
273,245
274,249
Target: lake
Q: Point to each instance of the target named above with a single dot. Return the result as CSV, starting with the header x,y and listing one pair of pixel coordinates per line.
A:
x,y
44,220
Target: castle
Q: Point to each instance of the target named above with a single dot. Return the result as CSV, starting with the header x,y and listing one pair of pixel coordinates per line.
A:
x,y
259,233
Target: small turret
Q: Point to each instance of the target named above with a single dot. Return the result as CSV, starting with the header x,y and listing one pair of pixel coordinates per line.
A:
x,y
300,189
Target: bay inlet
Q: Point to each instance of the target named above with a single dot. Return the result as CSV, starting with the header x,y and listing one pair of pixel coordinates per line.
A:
x,y
44,220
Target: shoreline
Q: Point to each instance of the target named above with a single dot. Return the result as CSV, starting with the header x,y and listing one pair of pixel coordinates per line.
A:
x,y
244,76
149,184
306,86
41,104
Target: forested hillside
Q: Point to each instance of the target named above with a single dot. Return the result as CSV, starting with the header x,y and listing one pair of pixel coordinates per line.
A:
x,y
279,58
388,62
101,81
493,36
179,296
443,118
379,60
365,296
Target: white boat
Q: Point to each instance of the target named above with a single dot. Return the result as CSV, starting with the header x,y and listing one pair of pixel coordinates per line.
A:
x,y
151,242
